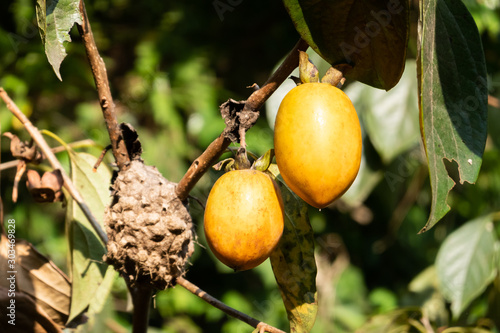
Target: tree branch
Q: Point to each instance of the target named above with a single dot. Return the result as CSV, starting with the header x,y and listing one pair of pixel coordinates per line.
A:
x,y
253,103
226,309
102,84
55,150
47,152
141,298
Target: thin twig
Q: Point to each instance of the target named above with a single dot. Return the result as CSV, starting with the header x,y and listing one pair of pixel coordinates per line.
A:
x,y
55,150
226,309
102,84
101,157
46,150
253,103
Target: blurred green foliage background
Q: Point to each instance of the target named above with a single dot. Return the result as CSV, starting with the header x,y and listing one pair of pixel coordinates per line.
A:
x,y
170,65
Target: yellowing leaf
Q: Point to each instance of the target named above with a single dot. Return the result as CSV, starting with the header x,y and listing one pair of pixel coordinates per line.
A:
x,y
293,262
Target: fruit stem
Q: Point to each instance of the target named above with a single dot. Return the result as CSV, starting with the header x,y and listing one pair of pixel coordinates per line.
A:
x,y
225,308
241,161
242,133
334,76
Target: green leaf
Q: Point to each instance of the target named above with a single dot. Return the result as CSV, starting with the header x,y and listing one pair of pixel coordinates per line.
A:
x,y
389,118
41,18
61,15
293,262
453,97
263,162
371,36
90,275
465,263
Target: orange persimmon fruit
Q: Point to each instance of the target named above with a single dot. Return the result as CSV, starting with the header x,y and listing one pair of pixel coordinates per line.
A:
x,y
244,218
317,142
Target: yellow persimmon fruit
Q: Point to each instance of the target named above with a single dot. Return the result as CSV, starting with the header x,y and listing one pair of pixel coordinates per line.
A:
x,y
317,142
244,218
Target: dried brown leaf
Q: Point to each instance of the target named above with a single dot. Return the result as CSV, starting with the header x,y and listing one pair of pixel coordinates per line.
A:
x,y
37,277
23,150
23,314
45,189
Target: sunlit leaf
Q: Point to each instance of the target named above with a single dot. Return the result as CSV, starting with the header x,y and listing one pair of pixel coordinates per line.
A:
x,y
371,36
89,272
293,262
453,97
465,263
61,15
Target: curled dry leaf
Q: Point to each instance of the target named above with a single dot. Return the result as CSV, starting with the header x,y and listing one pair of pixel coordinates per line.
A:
x,y
36,278
24,315
23,150
131,138
26,153
236,117
226,165
45,189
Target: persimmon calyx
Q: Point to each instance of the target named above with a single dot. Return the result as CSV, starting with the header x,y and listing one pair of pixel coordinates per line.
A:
x,y
308,72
